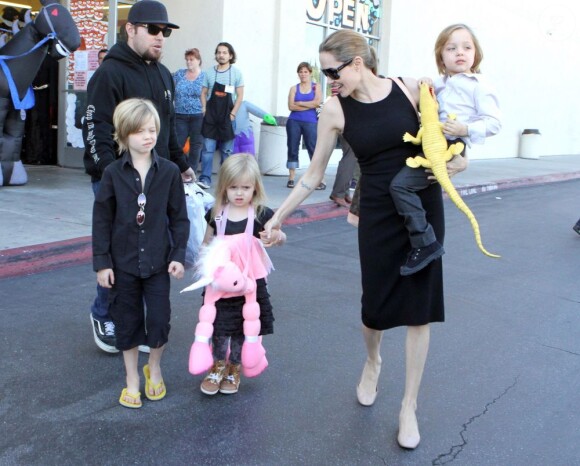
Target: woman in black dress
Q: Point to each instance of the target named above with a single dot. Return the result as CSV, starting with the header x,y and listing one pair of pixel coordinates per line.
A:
x,y
373,114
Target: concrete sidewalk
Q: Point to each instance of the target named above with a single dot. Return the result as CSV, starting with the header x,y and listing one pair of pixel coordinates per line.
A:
x,y
47,223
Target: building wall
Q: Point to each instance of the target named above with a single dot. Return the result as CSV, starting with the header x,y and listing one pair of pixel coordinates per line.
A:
x,y
268,37
531,50
262,32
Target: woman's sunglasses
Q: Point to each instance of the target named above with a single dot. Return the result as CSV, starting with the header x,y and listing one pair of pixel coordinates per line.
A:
x,y
332,73
154,30
141,201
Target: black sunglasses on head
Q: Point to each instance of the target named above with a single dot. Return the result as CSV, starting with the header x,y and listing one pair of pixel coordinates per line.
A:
x,y
332,73
154,30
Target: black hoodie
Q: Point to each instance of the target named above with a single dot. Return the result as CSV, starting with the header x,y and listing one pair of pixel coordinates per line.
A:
x,y
123,75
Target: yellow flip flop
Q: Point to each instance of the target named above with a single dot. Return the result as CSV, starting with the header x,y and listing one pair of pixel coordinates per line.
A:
x,y
137,403
149,385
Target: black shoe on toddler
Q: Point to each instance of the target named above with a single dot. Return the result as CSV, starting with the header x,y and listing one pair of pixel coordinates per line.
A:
x,y
419,258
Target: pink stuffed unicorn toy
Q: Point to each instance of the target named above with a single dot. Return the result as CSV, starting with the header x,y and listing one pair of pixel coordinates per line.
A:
x,y
229,266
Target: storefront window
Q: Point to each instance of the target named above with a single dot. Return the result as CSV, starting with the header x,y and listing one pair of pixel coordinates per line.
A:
x,y
359,15
91,18
323,17
123,8
99,23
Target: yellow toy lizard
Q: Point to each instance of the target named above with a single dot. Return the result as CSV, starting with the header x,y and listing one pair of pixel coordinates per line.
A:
x,y
437,154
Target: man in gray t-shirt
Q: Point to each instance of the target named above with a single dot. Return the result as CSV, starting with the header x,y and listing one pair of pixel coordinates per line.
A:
x,y
221,97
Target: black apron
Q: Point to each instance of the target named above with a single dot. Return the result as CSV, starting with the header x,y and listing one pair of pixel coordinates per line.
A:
x,y
217,123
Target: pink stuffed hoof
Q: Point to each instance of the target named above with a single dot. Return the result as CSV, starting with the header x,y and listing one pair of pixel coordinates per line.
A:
x,y
252,353
200,357
256,370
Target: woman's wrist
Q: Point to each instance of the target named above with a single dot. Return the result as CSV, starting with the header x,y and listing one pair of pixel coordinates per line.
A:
x,y
276,220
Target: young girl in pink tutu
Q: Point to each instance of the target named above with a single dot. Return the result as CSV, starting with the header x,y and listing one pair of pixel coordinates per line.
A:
x,y
239,198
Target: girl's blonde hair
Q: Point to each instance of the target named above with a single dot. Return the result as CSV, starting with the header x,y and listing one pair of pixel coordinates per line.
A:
x,y
344,45
235,168
130,115
444,37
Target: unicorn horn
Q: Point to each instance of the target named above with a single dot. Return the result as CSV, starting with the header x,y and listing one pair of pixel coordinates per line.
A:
x,y
198,284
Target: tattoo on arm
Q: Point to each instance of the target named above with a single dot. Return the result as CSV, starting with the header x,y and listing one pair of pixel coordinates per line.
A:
x,y
305,186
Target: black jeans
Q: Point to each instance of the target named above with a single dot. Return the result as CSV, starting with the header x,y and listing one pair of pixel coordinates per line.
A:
x,y
404,188
190,125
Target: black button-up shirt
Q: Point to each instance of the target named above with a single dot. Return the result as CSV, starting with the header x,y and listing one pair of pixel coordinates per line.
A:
x,y
118,242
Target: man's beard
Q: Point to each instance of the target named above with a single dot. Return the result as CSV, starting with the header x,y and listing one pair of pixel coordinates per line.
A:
x,y
148,55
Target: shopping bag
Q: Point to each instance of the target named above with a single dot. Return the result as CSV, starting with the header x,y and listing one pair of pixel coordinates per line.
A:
x,y
198,202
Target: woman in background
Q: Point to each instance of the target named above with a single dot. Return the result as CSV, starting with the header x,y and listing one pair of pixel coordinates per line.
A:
x,y
188,113
303,99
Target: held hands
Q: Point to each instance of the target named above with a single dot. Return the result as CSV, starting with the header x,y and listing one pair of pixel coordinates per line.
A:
x,y
425,80
176,269
271,229
106,278
273,238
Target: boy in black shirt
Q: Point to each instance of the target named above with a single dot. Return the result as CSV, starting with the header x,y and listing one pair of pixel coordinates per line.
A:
x,y
140,231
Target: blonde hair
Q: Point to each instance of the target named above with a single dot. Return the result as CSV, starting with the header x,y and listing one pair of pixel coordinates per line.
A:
x,y
234,168
444,37
344,45
130,115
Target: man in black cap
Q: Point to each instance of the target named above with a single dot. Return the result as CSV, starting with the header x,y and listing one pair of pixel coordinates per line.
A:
x,y
130,69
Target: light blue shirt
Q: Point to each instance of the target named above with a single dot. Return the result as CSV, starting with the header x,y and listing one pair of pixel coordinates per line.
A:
x,y
472,99
232,76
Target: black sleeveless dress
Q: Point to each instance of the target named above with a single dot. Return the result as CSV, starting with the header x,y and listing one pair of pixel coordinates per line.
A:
x,y
375,133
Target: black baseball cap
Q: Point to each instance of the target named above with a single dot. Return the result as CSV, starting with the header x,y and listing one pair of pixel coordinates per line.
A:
x,y
149,12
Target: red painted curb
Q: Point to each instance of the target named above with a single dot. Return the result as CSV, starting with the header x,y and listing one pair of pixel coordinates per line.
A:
x,y
44,257
50,256
57,255
313,212
502,185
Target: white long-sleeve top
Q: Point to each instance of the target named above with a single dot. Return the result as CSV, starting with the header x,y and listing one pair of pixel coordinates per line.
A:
x,y
472,99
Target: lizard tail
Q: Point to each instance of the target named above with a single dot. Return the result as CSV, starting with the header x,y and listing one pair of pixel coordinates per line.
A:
x,y
462,206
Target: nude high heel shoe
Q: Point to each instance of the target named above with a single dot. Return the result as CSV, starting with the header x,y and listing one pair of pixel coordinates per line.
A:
x,y
408,436
367,398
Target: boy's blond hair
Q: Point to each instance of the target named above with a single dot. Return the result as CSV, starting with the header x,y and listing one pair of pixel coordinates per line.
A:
x,y
130,115
237,167
442,40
